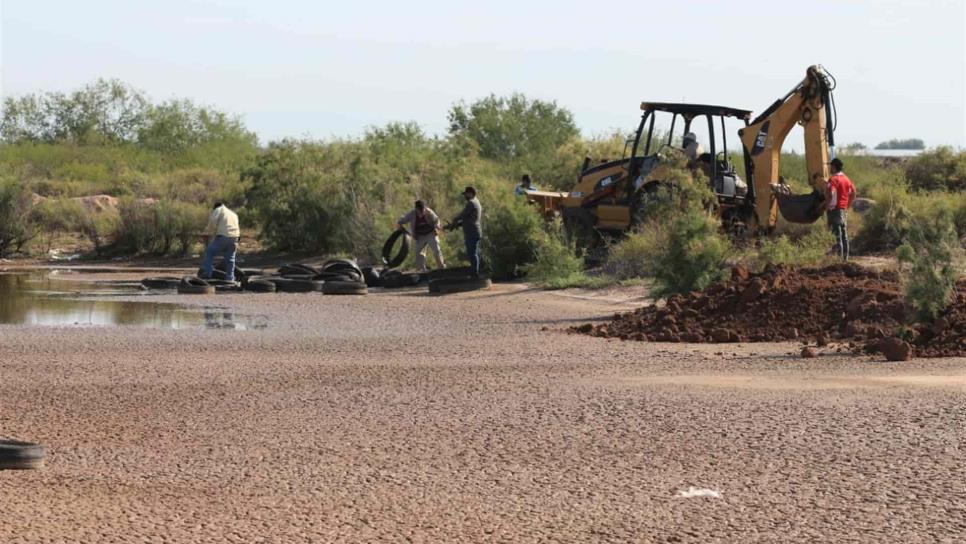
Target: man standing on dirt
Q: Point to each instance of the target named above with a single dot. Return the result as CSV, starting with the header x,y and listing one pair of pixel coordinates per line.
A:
x,y
223,226
423,223
471,221
841,194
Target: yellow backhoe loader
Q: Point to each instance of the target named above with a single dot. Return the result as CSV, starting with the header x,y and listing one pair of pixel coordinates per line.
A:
x,y
612,197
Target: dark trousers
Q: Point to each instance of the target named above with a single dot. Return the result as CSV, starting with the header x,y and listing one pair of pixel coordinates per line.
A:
x,y
839,226
472,241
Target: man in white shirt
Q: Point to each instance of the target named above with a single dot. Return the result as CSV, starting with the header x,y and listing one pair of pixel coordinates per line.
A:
x,y
223,226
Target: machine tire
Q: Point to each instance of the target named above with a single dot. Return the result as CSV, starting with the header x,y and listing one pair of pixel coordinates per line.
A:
x,y
394,261
195,286
344,288
458,285
19,455
258,285
161,282
288,285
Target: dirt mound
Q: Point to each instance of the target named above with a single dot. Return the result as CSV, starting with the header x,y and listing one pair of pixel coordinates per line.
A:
x,y
843,302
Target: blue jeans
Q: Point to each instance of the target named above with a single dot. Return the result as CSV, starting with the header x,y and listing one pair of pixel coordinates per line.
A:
x,y
473,251
224,246
472,241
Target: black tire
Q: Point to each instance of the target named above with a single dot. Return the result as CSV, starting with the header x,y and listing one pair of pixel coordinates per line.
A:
x,y
220,283
195,286
259,285
344,288
458,285
218,272
340,264
161,282
228,288
287,285
447,273
18,455
372,276
387,257
395,281
297,269
343,274
306,277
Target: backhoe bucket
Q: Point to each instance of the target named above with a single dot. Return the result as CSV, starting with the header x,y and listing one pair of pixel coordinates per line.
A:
x,y
800,208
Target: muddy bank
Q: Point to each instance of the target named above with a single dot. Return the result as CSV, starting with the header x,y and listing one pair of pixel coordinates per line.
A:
x,y
842,302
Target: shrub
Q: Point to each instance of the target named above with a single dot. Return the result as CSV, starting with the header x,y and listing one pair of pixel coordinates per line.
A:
x,y
557,263
55,216
930,250
16,229
692,255
98,227
631,257
940,169
810,249
512,232
156,226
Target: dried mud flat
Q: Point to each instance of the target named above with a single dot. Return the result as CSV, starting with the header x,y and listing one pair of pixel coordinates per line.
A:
x,y
402,417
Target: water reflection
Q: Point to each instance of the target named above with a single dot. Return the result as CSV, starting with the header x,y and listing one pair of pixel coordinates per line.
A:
x,y
223,319
39,299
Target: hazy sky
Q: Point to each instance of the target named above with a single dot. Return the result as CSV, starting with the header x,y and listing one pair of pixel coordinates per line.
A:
x,y
321,69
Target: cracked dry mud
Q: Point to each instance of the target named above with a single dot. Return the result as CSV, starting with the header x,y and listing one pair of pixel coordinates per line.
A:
x,y
402,417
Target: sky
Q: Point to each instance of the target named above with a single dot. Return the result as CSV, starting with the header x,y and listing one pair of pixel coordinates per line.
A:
x,y
323,69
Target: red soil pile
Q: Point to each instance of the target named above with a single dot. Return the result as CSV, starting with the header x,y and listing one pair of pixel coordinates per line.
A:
x,y
843,302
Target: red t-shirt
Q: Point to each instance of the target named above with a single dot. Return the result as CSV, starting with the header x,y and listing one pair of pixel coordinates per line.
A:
x,y
842,189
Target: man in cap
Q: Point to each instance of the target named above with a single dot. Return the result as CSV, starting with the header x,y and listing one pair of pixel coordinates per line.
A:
x,y
423,223
526,184
471,221
692,149
841,193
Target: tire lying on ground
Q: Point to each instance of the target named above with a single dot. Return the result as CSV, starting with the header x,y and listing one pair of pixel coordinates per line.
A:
x,y
297,269
344,288
288,285
161,282
195,286
445,273
346,274
18,455
218,272
395,279
371,276
387,257
259,285
458,285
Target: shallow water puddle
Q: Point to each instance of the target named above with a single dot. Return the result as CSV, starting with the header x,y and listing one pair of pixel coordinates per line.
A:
x,y
43,300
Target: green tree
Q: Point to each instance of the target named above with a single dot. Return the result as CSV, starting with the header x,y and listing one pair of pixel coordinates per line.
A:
x,y
511,128
106,110
908,143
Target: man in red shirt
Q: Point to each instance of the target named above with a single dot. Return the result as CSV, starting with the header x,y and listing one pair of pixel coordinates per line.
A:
x,y
841,194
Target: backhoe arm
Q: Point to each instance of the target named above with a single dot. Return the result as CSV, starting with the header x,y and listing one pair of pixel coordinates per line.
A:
x,y
808,104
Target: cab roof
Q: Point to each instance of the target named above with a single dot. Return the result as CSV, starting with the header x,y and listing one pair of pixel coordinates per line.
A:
x,y
693,110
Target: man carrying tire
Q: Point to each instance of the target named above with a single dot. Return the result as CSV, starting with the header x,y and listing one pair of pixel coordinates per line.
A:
x,y
423,223
471,221
223,226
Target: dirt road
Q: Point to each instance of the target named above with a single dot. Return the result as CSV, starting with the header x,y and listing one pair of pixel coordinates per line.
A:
x,y
401,417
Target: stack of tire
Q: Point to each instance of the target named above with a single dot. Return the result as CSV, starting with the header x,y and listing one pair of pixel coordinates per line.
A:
x,y
191,285
343,277
334,277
